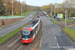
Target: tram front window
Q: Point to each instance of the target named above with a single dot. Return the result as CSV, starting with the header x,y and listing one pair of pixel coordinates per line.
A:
x,y
26,34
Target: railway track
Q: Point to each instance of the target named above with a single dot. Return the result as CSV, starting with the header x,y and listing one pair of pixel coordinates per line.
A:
x,y
30,45
15,43
20,46
11,43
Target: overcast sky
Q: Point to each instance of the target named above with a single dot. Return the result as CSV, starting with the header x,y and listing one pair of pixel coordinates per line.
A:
x,y
41,2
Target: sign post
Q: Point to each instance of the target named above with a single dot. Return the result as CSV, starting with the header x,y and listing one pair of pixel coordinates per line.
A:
x,y
59,16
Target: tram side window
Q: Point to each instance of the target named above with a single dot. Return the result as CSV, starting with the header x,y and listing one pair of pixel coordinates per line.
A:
x,y
34,31
31,33
37,27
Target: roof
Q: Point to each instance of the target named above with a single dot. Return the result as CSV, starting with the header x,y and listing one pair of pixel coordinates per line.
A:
x,y
32,24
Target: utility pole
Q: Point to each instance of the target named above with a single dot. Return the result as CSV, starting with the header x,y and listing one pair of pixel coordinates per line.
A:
x,y
51,11
65,18
21,9
12,7
54,11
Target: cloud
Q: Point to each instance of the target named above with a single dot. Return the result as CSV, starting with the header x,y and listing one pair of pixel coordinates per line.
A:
x,y
41,2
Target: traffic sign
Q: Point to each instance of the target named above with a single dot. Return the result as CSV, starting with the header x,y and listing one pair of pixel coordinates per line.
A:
x,y
74,28
60,15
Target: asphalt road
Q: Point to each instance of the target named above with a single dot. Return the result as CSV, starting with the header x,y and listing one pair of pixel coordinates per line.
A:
x,y
53,38
14,26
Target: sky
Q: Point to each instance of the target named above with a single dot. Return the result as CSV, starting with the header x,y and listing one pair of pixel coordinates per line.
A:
x,y
41,2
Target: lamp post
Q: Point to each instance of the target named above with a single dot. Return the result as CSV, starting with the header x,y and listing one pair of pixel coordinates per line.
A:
x,y
5,12
4,4
0,10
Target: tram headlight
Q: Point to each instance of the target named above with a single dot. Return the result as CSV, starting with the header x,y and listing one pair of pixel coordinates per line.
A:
x,y
22,38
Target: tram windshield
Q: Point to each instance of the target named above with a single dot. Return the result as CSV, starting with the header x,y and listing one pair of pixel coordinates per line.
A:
x,y
26,32
26,36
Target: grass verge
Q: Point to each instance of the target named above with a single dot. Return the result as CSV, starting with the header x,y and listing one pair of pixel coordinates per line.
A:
x,y
70,32
54,21
62,19
11,34
16,21
74,24
68,20
23,14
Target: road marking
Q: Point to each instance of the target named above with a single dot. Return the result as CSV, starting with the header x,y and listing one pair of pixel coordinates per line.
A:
x,y
55,38
42,38
58,45
53,33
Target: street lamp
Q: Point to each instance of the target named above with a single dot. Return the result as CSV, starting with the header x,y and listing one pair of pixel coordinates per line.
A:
x,y
5,11
4,4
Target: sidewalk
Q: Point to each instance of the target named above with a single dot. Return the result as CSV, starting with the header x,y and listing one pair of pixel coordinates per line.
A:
x,y
6,17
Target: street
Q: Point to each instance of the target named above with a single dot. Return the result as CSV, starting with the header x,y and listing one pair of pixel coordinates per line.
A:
x,y
14,26
53,38
37,25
